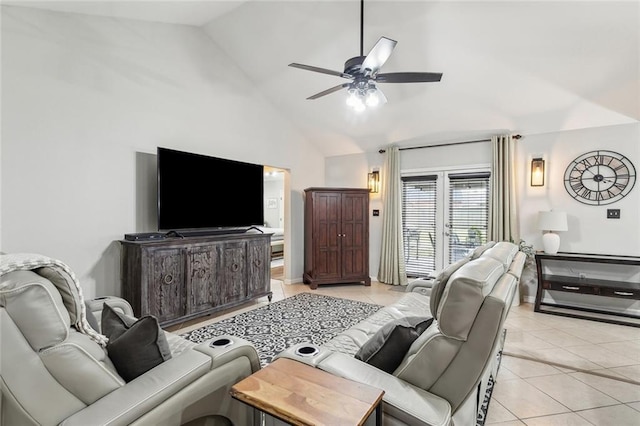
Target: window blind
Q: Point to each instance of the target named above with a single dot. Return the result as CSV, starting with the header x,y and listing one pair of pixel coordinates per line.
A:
x,y
419,224
468,213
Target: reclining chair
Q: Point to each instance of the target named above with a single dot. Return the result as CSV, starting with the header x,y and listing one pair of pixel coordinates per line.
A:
x,y
55,370
444,374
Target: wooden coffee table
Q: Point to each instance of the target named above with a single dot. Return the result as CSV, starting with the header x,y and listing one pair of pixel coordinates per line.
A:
x,y
303,395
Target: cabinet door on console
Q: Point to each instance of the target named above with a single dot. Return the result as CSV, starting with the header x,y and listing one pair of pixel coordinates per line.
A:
x,y
167,287
233,279
201,266
259,261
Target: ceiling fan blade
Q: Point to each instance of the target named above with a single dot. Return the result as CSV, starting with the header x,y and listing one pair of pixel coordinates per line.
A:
x,y
408,77
381,96
329,91
320,70
378,55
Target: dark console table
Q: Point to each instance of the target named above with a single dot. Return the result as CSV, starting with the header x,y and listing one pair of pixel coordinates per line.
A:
x,y
581,283
178,279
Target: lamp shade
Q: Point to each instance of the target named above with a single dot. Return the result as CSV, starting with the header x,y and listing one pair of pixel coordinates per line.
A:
x,y
552,221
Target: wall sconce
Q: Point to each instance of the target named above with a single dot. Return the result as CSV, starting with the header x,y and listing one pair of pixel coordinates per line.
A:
x,y
373,180
537,172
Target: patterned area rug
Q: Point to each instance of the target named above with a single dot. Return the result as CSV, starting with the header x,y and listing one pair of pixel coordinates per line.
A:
x,y
303,318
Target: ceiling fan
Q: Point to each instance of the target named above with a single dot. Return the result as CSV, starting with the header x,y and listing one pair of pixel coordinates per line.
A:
x,y
363,71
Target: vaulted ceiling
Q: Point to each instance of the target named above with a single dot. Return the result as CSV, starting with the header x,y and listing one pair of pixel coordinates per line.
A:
x,y
526,67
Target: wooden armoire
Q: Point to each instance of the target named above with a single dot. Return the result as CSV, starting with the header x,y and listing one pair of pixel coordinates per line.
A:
x,y
336,236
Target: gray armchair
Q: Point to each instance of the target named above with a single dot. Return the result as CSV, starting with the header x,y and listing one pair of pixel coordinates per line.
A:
x,y
53,371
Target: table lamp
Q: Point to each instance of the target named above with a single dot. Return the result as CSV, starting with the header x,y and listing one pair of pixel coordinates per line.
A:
x,y
552,222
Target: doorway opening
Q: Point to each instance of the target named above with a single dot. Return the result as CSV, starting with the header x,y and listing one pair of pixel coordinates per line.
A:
x,y
274,218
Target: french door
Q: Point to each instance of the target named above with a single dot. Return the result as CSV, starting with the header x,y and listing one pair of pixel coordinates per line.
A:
x,y
445,215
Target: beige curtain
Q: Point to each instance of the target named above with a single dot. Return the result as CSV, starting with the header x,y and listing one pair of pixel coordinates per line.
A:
x,y
503,222
392,267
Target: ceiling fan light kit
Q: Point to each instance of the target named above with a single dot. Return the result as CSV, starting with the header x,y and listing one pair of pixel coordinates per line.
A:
x,y
364,94
364,71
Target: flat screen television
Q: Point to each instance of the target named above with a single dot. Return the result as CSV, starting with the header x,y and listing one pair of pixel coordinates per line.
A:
x,y
200,193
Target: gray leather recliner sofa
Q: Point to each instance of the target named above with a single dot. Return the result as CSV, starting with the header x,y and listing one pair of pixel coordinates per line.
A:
x,y
54,372
443,377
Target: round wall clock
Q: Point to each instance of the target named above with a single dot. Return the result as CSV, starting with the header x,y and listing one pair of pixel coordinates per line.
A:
x,y
600,177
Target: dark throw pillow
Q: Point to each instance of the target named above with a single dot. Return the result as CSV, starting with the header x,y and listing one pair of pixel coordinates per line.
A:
x,y
386,349
135,346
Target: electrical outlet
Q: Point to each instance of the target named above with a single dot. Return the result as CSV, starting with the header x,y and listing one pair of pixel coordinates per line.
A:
x,y
613,213
582,275
376,212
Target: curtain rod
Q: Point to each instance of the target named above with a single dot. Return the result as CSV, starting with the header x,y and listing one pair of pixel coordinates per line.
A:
x,y
382,151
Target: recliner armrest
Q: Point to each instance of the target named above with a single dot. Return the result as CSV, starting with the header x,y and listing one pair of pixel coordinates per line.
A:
x,y
118,303
224,353
402,400
421,285
136,398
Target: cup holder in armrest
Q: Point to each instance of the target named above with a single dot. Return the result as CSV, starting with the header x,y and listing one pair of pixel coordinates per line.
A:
x,y
307,350
221,343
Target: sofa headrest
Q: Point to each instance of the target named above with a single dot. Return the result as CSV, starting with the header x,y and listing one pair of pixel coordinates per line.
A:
x,y
503,251
517,265
504,289
440,283
64,283
477,252
36,307
62,278
463,296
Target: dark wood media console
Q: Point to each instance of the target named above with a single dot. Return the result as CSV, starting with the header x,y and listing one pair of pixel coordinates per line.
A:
x,y
178,279
585,285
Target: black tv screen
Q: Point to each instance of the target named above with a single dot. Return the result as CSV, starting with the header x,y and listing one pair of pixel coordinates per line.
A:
x,y
199,192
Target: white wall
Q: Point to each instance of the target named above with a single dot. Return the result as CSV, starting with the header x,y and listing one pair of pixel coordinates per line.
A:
x,y
589,230
86,101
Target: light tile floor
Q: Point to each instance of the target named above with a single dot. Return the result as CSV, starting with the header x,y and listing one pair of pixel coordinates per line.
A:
x,y
555,370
